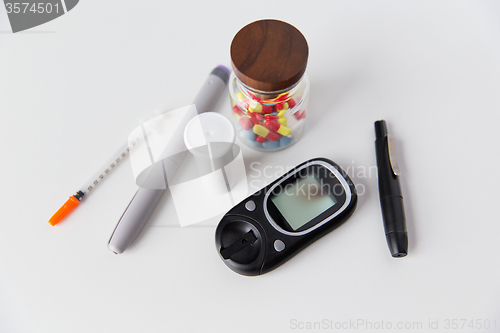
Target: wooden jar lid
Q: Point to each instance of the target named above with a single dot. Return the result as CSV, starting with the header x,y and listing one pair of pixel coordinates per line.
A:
x,y
269,55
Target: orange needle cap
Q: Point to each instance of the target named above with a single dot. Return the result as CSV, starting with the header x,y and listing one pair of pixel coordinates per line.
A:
x,y
64,210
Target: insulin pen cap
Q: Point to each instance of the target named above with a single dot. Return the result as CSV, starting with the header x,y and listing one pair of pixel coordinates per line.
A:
x,y
269,55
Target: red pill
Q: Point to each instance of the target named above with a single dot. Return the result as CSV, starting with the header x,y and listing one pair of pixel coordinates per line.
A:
x,y
237,110
281,106
273,136
277,127
300,115
245,104
267,108
254,119
245,123
291,103
272,125
265,132
260,139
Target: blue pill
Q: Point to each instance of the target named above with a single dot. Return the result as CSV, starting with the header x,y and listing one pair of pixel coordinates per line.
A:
x,y
271,144
274,113
254,144
250,135
285,141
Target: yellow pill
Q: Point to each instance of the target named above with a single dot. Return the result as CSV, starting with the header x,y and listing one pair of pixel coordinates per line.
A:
x,y
232,103
260,130
281,113
282,121
240,96
255,107
285,131
284,107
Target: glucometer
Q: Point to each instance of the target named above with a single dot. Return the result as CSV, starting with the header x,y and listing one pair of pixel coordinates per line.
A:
x,y
274,224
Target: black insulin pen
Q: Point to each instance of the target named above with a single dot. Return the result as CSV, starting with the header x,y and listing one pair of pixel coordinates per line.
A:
x,y
391,198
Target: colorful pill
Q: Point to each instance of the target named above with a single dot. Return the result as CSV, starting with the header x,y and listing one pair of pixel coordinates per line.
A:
x,y
300,115
260,139
240,97
237,110
266,133
283,130
267,108
244,103
277,127
285,141
264,123
245,123
271,117
237,116
250,135
253,118
255,144
255,107
282,106
271,145
272,125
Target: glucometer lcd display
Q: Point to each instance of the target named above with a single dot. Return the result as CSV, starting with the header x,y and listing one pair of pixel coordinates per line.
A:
x,y
302,201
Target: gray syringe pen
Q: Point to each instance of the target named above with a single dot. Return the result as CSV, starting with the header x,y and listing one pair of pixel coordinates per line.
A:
x,y
144,201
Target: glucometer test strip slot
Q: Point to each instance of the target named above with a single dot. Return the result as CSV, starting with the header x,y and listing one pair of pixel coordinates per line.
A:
x,y
391,198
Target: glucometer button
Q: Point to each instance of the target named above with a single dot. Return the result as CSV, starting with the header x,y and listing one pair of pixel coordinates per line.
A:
x,y
250,205
279,245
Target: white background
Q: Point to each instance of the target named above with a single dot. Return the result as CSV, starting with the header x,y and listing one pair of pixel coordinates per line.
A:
x,y
71,91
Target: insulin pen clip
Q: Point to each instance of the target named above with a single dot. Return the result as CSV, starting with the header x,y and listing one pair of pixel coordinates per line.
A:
x,y
89,185
144,201
391,198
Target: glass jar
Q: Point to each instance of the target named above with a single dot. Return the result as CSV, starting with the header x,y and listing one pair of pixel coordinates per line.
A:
x,y
268,88
269,124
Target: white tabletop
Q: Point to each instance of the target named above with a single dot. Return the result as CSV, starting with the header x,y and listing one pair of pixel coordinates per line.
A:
x,y
71,91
